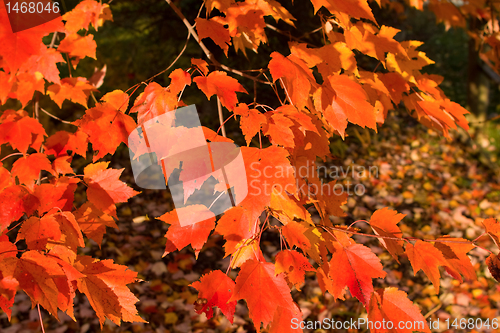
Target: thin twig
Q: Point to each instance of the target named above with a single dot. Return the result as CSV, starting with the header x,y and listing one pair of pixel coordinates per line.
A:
x,y
9,251
175,60
225,121
52,116
286,91
284,33
433,310
201,8
289,34
53,41
192,31
264,107
274,88
406,239
93,97
311,32
13,154
207,52
240,73
40,316
36,108
484,121
69,64
221,117
128,98
484,233
17,225
254,93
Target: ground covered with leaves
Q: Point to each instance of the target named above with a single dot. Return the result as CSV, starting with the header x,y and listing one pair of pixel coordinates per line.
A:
x,y
443,187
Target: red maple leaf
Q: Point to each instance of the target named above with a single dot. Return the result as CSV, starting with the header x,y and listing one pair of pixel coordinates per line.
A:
x,y
225,87
216,288
195,234
105,188
263,291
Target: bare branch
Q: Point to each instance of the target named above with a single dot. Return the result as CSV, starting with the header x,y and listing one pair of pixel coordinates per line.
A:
x,y
207,52
221,117
52,116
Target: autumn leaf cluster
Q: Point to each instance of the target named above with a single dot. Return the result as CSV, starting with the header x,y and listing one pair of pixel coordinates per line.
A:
x,y
320,91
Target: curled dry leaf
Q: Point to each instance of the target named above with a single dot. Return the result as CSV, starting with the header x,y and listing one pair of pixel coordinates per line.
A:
x,y
493,263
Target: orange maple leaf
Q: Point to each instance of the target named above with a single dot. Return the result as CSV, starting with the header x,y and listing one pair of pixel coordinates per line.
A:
x,y
286,207
217,288
60,142
263,291
251,121
105,188
117,99
78,47
295,234
45,281
424,256
93,221
345,100
105,285
234,226
195,234
492,227
85,13
354,266
20,131
27,169
60,228
294,265
455,252
391,304
45,63
265,168
225,87
106,128
215,31
14,202
179,79
384,223
297,77
75,89
8,288
58,195
17,47
201,65
154,101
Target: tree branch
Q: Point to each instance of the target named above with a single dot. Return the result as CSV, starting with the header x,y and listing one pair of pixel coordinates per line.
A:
x,y
52,116
36,114
207,52
221,117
